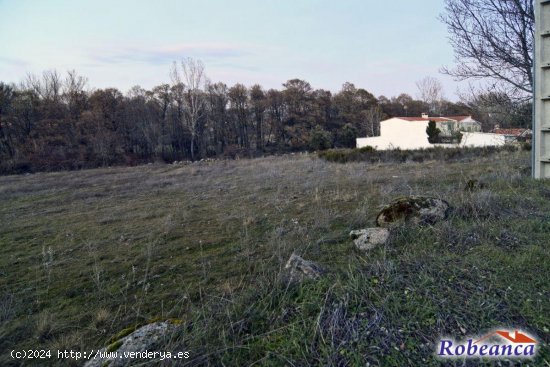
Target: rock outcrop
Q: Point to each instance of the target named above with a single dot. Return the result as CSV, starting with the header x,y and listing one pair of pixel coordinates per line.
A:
x,y
143,338
300,269
413,209
369,238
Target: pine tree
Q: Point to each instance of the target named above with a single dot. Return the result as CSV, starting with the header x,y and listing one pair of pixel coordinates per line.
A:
x,y
433,132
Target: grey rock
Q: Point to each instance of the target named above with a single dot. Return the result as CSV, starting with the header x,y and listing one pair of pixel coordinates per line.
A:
x,y
144,338
413,209
369,238
300,269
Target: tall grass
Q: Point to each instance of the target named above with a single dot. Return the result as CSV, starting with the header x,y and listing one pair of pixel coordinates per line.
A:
x,y
207,244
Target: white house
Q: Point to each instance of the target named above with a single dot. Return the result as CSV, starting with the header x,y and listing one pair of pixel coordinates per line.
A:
x,y
410,133
514,135
466,123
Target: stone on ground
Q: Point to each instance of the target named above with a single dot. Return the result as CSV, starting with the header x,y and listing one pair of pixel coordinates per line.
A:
x,y
300,269
145,338
369,238
413,209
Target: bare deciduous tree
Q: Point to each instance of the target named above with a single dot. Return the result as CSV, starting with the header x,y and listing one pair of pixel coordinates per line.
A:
x,y
74,94
162,97
218,115
258,101
7,94
238,98
192,76
371,121
430,92
49,87
492,39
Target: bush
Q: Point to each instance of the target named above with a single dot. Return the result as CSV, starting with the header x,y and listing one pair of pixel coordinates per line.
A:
x,y
347,136
366,149
369,154
320,139
457,137
433,132
335,155
15,167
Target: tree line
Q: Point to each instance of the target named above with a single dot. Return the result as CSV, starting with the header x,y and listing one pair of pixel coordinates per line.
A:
x,y
53,121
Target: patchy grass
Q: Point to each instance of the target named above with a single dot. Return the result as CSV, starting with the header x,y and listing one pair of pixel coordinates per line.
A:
x,y
87,254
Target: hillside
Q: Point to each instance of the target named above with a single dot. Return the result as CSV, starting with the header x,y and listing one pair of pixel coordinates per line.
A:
x,y
85,254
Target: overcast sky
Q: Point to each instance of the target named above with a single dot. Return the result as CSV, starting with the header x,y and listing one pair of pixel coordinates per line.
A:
x,y
382,46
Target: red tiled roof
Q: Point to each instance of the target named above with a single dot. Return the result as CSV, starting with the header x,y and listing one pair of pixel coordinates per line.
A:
x,y
459,118
512,132
436,119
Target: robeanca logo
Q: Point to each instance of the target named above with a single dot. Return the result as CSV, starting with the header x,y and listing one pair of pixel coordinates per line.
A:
x,y
497,344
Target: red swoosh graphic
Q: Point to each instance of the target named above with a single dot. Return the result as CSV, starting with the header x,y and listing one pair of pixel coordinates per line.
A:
x,y
519,337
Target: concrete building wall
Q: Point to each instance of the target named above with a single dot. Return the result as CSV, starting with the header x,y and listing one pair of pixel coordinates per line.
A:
x,y
397,133
477,139
408,135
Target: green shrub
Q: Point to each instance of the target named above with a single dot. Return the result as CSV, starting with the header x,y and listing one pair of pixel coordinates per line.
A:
x,y
369,154
347,136
320,139
366,149
335,155
457,137
433,132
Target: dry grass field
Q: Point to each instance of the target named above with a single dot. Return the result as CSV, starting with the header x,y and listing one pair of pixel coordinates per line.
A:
x,y
85,254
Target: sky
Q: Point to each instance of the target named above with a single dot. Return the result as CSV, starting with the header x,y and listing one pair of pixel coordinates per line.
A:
x,y
382,46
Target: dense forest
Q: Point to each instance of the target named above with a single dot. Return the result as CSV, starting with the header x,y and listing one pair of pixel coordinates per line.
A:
x,y
55,121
